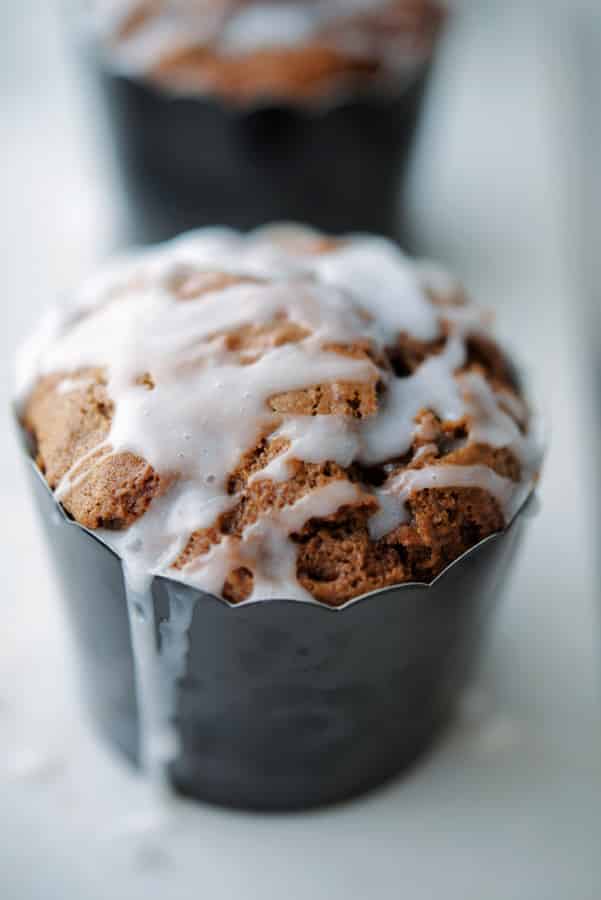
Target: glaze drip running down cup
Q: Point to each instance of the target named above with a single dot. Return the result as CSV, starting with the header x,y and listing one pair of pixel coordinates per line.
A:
x,y
292,469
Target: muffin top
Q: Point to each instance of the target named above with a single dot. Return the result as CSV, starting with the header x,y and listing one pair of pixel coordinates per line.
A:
x,y
281,414
248,50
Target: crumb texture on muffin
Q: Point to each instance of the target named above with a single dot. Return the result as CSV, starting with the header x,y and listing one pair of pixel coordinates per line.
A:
x,y
279,414
251,49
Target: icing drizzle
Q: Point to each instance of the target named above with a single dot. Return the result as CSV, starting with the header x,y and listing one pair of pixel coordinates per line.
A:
x,y
208,406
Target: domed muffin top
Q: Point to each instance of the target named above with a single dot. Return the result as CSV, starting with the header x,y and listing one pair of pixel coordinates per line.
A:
x,y
278,414
252,49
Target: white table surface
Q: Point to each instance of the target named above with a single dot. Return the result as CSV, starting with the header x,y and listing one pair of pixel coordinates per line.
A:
x,y
509,806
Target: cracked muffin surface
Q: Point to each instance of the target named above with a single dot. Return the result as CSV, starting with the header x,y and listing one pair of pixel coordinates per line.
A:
x,y
279,414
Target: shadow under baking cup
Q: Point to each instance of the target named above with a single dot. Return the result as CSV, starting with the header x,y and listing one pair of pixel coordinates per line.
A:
x,y
188,162
282,704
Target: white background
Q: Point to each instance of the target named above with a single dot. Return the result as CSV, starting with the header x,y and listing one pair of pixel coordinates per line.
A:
x,y
510,805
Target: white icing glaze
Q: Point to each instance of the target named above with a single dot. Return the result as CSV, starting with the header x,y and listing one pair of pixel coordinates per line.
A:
x,y
68,385
233,28
267,550
313,439
157,670
395,298
439,281
432,387
393,498
206,409
158,739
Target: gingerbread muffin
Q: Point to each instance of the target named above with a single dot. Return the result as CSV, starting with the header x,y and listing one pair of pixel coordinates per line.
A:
x,y
320,417
243,112
282,477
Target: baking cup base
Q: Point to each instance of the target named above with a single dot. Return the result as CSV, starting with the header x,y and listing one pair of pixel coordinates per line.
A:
x,y
282,704
273,791
188,162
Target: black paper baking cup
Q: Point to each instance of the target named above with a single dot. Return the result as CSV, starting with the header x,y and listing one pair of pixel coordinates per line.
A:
x,y
186,162
284,704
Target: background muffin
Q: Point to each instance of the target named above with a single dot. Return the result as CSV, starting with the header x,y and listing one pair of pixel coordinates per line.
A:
x,y
242,113
247,50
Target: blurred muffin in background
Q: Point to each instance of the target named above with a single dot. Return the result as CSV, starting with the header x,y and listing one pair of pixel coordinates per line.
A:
x,y
248,51
242,112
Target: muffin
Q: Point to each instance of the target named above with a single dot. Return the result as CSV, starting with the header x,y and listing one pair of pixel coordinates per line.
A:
x,y
240,112
233,424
